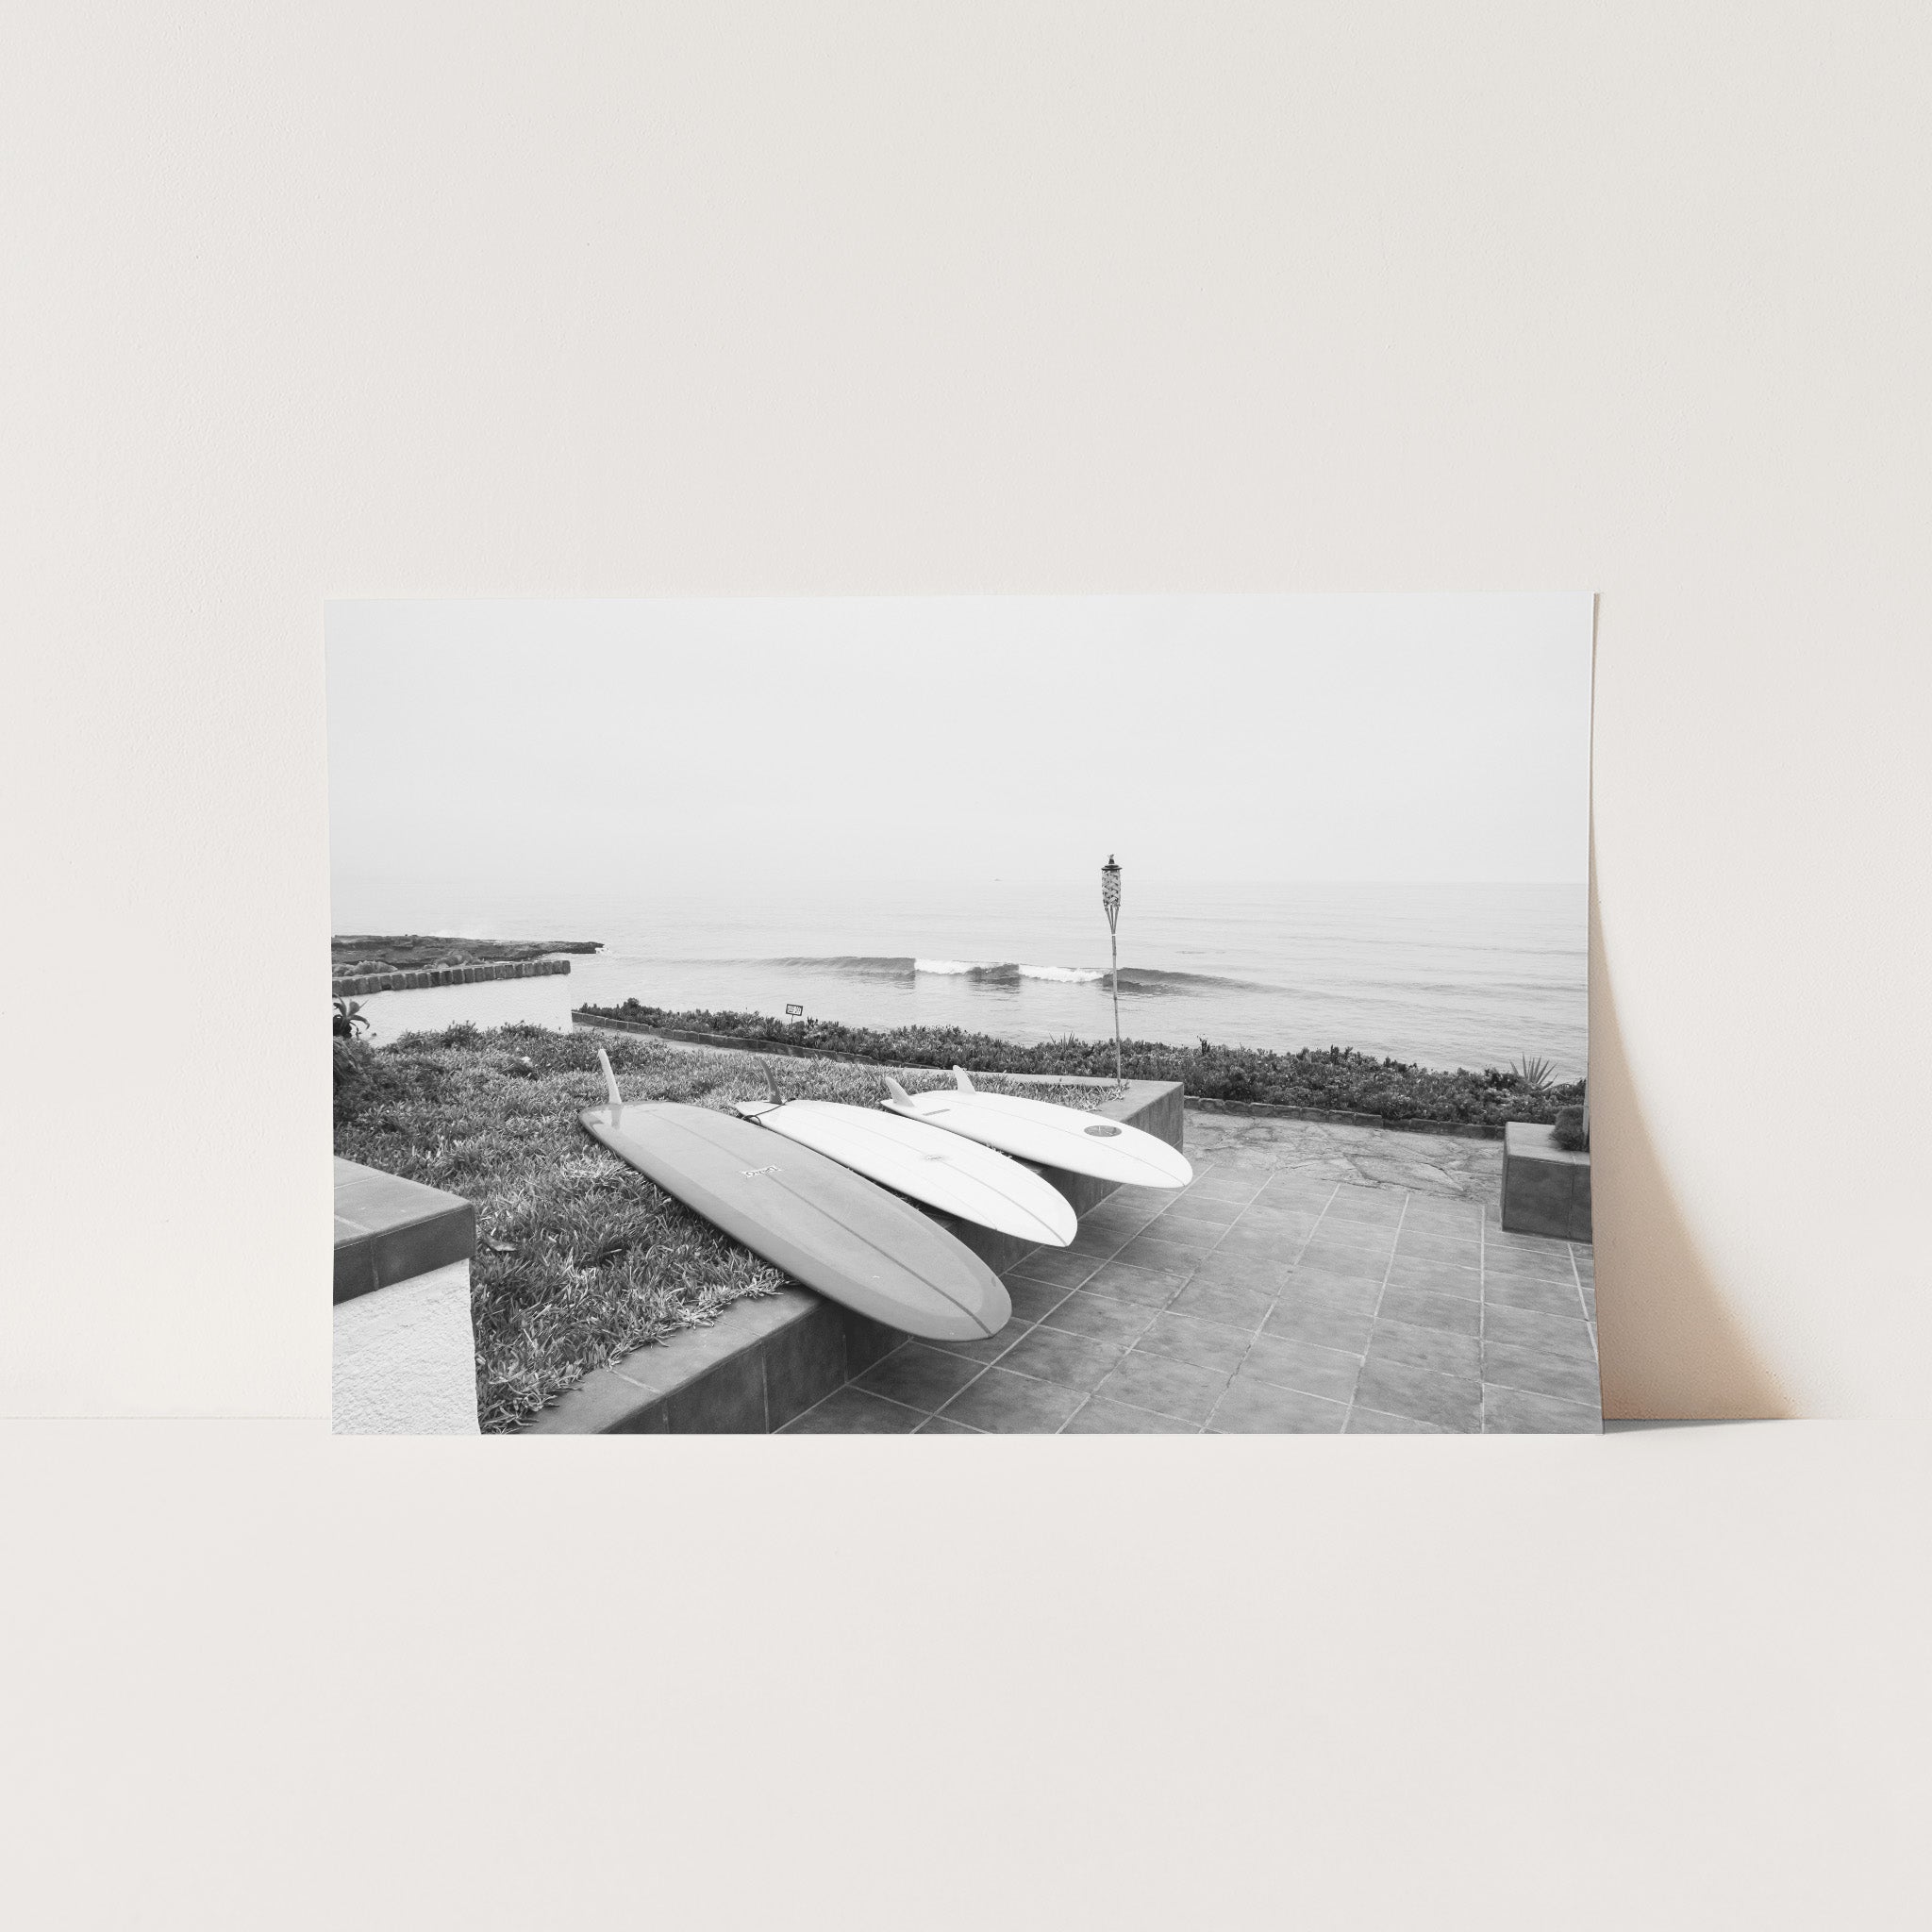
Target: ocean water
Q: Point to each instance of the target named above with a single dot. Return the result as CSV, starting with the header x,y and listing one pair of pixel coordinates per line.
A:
x,y
1447,975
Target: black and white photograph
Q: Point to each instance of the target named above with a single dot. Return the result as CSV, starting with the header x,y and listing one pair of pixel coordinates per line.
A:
x,y
962,1016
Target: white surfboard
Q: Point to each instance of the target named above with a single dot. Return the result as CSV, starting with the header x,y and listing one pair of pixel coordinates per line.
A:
x,y
1062,1137
940,1169
827,1226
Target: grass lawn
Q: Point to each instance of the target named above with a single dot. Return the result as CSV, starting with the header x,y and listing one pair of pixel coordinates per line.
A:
x,y
580,1258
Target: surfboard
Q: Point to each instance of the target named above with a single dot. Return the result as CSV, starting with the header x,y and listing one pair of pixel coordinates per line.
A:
x,y
827,1227
943,1169
1062,1137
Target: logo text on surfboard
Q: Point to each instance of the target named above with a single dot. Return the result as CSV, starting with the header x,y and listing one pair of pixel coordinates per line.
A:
x,y
751,1173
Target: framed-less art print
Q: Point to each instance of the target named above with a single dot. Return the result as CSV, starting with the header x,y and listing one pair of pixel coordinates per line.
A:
x,y
963,1015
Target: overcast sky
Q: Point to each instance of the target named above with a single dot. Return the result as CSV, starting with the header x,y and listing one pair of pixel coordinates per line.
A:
x,y
833,741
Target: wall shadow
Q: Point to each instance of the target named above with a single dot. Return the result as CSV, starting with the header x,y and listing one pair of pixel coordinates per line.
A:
x,y
1670,1346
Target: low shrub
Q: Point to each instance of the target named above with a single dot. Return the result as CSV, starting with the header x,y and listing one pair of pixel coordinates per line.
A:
x,y
462,1033
1568,1130
1332,1079
369,1080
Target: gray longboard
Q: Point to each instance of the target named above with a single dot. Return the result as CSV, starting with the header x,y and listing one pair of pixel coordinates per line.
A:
x,y
825,1226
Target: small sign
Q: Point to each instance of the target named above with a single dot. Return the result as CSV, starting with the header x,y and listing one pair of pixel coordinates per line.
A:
x,y
794,1012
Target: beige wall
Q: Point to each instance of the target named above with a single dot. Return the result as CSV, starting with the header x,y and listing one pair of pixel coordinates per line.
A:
x,y
351,300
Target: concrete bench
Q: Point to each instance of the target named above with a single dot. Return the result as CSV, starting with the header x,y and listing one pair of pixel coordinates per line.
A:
x,y
1545,1189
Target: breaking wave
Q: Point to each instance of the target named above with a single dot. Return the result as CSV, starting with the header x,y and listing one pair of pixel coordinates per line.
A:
x,y
1146,979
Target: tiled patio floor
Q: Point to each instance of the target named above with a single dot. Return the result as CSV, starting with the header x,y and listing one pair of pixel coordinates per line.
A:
x,y
1271,1295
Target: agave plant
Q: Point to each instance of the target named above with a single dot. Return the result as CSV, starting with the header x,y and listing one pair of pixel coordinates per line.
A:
x,y
1537,1074
348,1017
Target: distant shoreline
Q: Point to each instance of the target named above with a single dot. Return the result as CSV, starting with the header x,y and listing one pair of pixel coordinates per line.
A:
x,y
346,983
361,964
411,952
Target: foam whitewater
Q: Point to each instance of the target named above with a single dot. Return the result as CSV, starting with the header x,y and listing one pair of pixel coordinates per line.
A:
x,y
1006,972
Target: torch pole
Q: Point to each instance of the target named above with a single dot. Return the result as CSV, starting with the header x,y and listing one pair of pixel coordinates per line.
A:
x,y
1114,938
1111,905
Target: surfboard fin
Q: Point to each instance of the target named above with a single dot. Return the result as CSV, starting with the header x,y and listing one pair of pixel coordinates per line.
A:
x,y
962,1080
772,1081
609,1078
897,1091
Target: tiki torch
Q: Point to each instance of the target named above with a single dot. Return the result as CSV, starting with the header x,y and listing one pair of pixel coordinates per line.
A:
x,y
1111,905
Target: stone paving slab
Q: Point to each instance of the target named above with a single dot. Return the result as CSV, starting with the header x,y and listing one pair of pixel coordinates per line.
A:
x,y
1313,1279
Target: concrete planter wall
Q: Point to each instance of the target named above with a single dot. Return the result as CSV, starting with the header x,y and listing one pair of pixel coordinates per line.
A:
x,y
1545,1189
403,1350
